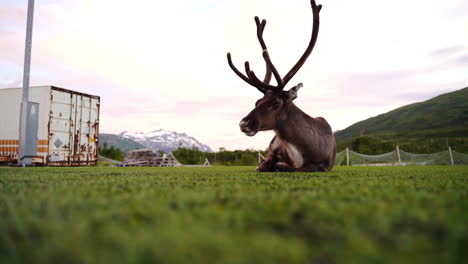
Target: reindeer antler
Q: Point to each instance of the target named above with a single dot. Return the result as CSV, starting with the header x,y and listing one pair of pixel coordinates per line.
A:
x,y
253,80
264,86
315,30
260,28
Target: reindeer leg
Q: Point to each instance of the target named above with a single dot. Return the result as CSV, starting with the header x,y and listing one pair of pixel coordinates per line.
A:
x,y
272,158
284,167
313,168
268,164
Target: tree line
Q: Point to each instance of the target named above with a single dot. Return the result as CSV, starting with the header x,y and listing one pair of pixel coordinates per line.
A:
x,y
111,152
225,158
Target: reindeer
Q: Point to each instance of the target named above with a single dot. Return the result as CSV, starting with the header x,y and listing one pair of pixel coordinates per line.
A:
x,y
301,142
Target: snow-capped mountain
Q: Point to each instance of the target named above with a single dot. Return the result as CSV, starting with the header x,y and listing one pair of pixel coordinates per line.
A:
x,y
165,140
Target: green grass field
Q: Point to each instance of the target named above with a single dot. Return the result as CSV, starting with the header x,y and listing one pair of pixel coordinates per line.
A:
x,y
413,214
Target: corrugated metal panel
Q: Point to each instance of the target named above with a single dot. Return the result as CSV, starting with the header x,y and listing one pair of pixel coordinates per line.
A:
x,y
60,126
68,126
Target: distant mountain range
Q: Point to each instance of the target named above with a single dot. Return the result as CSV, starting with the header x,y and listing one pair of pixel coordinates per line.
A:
x,y
163,140
443,116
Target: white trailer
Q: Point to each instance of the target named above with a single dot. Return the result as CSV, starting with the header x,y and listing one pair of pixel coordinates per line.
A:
x,y
67,126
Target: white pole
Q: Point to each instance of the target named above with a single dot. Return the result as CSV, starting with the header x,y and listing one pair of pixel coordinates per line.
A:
x,y
260,157
398,153
347,156
25,98
451,155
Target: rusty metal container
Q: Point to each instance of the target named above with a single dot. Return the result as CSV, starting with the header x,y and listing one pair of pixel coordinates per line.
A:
x,y
68,126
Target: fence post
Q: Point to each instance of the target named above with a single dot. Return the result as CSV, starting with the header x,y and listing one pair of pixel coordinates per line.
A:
x,y
347,156
260,157
451,155
398,154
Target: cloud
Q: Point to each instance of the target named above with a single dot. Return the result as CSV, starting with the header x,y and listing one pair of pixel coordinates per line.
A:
x,y
448,51
463,60
456,56
420,96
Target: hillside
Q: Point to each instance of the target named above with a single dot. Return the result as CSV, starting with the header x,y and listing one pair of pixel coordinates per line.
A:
x,y
423,127
445,115
119,142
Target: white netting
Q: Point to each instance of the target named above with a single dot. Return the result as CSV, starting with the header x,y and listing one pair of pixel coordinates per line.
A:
x,y
460,158
439,158
340,158
389,158
406,158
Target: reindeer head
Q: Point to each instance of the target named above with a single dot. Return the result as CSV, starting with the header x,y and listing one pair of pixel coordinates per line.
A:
x,y
273,107
268,111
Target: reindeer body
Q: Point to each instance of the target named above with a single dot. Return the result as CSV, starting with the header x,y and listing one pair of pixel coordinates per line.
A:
x,y
301,143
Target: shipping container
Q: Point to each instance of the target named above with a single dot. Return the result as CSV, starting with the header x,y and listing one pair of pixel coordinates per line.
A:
x,y
67,126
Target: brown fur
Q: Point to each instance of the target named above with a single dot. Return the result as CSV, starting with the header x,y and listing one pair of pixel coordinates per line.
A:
x,y
312,137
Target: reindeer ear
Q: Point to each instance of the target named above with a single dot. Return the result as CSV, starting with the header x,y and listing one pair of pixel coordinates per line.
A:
x,y
292,93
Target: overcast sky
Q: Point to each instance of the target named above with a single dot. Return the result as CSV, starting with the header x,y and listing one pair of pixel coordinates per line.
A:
x,y
162,64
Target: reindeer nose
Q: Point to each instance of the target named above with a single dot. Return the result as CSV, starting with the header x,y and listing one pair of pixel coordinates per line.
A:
x,y
243,123
248,125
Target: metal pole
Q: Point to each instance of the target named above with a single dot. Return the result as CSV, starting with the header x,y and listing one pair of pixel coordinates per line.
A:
x,y
25,98
451,155
347,156
398,153
260,157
